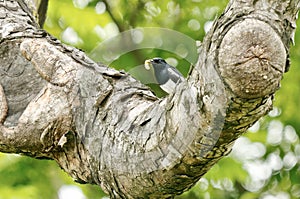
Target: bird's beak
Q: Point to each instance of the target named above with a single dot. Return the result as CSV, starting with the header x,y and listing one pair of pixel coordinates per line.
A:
x,y
147,64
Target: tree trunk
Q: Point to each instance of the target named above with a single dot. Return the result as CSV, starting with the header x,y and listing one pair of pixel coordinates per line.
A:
x,y
104,127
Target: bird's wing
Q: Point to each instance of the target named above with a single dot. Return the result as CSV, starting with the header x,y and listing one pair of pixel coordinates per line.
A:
x,y
175,75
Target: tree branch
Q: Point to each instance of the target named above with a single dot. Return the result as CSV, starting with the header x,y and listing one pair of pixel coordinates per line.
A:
x,y
106,128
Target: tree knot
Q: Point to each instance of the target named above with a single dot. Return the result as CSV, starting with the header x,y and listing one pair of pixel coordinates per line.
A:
x,y
252,59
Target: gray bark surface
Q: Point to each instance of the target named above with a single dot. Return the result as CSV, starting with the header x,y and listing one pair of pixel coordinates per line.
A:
x,y
104,127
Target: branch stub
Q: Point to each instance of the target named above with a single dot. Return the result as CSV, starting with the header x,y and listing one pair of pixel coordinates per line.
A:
x,y
252,59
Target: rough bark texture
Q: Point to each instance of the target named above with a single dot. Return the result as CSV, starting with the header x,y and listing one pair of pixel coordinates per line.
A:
x,y
104,127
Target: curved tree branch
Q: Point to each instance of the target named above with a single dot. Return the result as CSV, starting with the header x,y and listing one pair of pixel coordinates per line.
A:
x,y
104,127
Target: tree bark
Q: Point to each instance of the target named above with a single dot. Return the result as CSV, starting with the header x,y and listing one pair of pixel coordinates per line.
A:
x,y
104,127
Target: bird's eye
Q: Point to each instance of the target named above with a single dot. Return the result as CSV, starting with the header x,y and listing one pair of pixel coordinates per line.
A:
x,y
156,60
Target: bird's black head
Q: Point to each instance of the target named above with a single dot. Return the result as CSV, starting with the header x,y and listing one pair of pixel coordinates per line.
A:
x,y
158,63
158,60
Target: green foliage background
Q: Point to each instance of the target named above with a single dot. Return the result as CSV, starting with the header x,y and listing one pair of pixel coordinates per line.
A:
x,y
265,161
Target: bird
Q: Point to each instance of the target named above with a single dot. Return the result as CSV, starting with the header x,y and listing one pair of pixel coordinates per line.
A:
x,y
165,75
